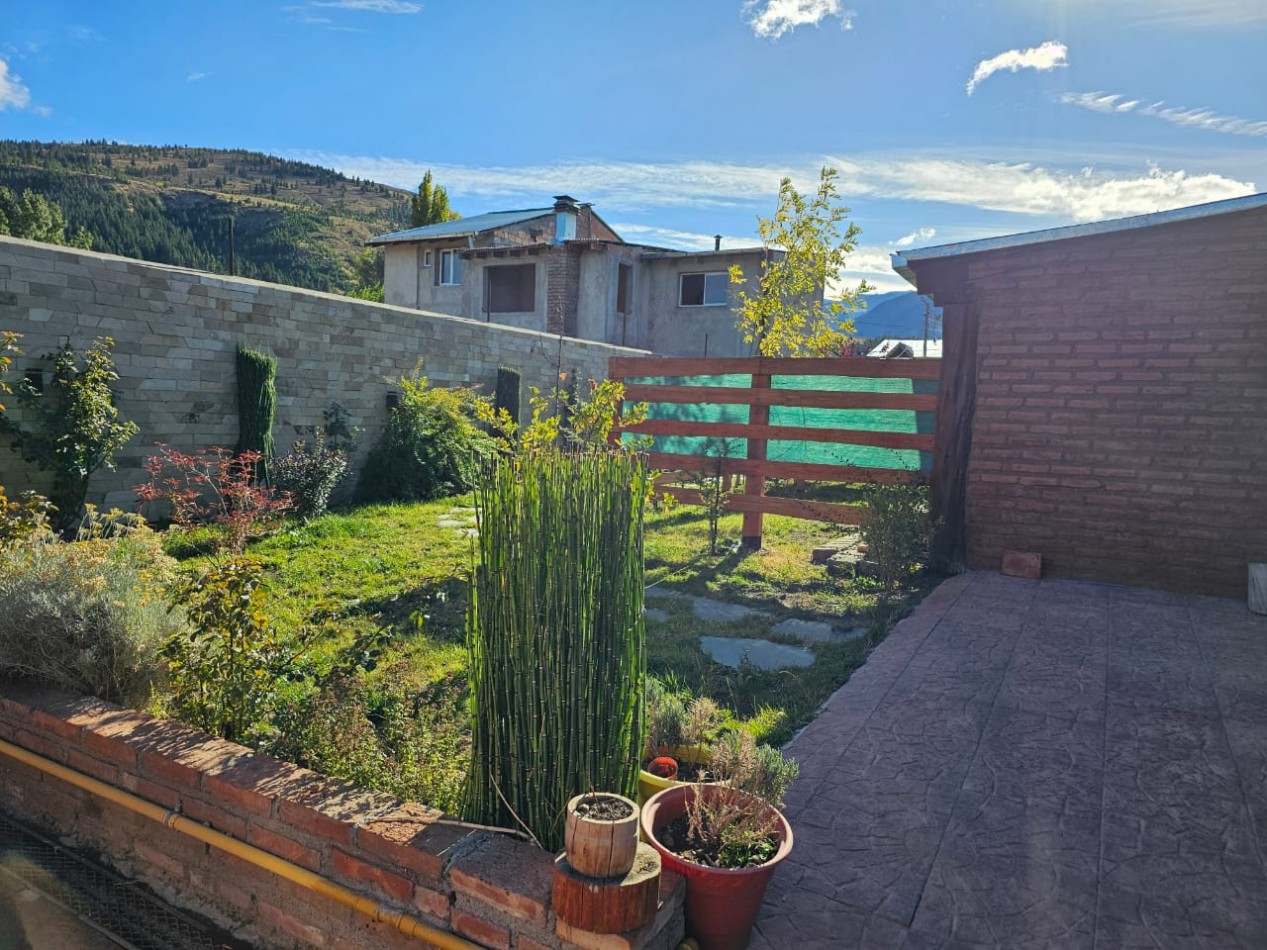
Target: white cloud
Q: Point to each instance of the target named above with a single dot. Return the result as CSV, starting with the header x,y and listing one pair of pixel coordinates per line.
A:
x,y
922,234
1044,58
1023,188
42,111
194,77
1206,119
770,19
12,92
682,240
369,6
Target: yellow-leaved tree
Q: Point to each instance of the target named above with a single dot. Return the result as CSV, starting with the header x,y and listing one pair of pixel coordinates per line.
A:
x,y
807,241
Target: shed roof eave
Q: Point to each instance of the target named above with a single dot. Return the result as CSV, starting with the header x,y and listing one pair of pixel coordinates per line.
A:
x,y
905,262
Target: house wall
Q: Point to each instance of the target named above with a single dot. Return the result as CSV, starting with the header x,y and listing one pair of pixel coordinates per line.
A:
x,y
533,319
407,283
597,318
672,330
176,331
1120,426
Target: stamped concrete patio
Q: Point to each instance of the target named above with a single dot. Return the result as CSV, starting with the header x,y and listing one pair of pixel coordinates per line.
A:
x,y
1037,764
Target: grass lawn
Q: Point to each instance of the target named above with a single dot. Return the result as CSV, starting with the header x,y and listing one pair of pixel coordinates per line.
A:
x,y
401,570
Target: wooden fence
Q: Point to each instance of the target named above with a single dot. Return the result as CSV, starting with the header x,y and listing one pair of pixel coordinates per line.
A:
x,y
759,397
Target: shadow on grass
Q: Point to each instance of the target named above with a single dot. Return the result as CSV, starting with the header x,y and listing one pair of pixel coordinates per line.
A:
x,y
436,609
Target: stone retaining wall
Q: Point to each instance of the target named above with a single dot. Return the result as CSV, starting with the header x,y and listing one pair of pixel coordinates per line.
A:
x,y
176,331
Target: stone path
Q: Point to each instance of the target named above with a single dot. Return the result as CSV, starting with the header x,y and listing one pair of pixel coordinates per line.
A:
x,y
1027,764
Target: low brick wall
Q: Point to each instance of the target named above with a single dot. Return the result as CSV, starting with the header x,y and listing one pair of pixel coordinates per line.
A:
x,y
485,887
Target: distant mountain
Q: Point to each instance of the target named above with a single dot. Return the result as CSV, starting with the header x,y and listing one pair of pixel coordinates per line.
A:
x,y
896,315
293,223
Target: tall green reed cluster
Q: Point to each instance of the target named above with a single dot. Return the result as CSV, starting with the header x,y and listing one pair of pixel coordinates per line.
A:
x,y
556,635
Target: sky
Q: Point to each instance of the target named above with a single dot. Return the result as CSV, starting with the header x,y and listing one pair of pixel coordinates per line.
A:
x,y
948,120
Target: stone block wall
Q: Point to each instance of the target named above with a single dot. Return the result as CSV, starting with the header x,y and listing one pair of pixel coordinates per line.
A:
x,y
176,331
487,888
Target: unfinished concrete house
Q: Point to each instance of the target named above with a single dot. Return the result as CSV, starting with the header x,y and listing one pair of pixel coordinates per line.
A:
x,y
563,269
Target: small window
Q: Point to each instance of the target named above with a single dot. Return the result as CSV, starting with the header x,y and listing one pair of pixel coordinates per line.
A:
x,y
450,268
511,288
426,258
704,290
624,289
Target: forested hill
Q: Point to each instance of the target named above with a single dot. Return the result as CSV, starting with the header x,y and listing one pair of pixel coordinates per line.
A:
x,y
293,223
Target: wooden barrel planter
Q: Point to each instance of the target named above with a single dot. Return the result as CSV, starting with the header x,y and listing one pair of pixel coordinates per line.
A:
x,y
601,835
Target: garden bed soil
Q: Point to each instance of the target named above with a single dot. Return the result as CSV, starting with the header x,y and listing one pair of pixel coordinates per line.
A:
x,y
602,807
674,836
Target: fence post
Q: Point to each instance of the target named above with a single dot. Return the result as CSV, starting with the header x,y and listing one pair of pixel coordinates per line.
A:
x,y
754,485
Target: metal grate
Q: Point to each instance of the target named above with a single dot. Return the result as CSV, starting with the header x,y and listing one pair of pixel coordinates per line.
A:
x,y
123,910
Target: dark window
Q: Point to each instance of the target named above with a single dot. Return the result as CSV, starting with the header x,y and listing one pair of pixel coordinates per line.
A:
x,y
511,288
624,289
704,290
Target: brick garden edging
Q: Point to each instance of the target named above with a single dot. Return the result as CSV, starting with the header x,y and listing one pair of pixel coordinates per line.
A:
x,y
482,886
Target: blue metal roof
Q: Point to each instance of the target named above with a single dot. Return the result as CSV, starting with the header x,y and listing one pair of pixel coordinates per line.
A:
x,y
463,226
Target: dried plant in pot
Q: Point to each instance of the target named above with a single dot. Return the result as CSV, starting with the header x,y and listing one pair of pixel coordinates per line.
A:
x,y
601,834
726,838
678,731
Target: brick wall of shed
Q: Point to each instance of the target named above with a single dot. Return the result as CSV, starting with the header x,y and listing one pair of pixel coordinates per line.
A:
x,y
1121,404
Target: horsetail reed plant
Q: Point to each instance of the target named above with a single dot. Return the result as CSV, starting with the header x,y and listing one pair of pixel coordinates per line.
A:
x,y
257,405
556,635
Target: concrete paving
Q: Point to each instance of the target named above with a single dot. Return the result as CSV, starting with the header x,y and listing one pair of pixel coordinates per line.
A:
x,y
1027,764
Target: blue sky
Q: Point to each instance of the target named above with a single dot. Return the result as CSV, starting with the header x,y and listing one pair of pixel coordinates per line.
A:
x,y
948,119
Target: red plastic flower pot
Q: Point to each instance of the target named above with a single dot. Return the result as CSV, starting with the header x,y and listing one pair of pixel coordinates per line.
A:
x,y
721,903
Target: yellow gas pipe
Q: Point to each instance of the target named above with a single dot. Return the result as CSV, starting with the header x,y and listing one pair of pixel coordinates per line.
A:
x,y
403,922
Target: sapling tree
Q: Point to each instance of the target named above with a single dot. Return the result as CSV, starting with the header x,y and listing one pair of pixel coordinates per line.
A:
x,y
807,241
71,426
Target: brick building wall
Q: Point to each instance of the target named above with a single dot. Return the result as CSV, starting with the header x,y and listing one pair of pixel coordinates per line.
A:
x,y
563,276
176,331
1120,424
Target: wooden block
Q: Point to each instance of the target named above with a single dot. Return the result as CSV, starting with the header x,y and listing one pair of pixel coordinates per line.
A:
x,y
608,905
1020,564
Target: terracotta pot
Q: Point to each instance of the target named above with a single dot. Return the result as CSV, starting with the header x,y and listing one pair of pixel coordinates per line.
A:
x,y
649,784
600,847
721,903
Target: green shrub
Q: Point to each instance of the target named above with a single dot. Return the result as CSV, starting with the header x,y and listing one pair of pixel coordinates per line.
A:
x,y
897,530
257,406
382,735
310,474
72,426
88,616
432,447
226,672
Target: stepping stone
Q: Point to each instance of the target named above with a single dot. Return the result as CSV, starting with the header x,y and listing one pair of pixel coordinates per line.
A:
x,y
655,613
814,630
849,563
450,523
730,651
705,608
829,549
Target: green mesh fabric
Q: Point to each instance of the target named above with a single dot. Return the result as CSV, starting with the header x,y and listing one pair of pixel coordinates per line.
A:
x,y
823,453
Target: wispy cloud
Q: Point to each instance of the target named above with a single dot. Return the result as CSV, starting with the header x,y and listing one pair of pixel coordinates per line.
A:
x,y
369,6
923,234
682,240
194,77
1208,119
1048,56
628,187
42,111
84,34
770,19
13,94
1183,13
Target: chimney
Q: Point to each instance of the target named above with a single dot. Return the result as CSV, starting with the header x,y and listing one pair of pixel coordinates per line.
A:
x,y
565,211
716,242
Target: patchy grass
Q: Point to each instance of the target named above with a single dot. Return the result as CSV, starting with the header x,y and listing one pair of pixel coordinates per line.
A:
x,y
400,572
